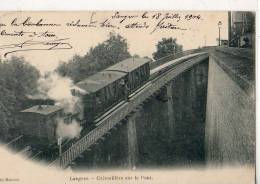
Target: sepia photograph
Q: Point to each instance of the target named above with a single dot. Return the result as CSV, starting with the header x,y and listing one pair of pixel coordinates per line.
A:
x,y
118,96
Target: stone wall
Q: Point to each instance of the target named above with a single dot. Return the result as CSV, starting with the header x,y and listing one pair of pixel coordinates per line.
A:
x,y
230,116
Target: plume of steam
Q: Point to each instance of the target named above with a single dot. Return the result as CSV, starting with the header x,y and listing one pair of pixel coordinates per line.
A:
x,y
68,131
58,88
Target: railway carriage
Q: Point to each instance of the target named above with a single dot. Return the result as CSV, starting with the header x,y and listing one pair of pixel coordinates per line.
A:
x,y
105,89
101,91
137,70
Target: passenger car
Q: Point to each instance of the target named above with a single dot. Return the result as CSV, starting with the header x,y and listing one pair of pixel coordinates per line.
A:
x,y
105,89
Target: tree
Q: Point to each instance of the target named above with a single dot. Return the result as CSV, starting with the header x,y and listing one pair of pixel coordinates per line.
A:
x,y
117,48
136,56
165,47
105,54
17,80
20,78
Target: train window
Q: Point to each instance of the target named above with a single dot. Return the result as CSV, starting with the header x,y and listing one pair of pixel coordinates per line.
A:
x,y
106,95
140,73
98,98
143,72
106,91
98,103
146,70
130,80
118,89
103,95
112,90
115,89
136,75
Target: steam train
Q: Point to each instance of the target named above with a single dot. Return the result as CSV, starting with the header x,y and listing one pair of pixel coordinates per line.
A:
x,y
98,93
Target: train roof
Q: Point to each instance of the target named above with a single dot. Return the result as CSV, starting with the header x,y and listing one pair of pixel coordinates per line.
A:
x,y
99,80
129,64
43,109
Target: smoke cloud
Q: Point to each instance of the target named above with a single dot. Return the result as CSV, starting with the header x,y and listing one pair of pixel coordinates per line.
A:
x,y
58,88
68,131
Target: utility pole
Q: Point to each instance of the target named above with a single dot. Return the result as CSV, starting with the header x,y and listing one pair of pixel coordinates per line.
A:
x,y
229,29
205,40
60,150
219,27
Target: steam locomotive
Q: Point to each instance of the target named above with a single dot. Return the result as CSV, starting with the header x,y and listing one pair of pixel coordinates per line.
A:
x,y
98,93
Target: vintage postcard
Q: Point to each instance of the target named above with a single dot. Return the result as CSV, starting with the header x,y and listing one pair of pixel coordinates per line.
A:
x,y
127,97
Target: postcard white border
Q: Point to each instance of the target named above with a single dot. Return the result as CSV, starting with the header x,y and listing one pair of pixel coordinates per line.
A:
x,y
246,5
243,5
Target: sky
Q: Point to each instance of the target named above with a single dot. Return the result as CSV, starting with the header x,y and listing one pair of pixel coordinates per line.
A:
x,y
192,33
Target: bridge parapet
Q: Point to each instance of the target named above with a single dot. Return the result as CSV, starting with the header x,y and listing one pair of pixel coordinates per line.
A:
x,y
125,110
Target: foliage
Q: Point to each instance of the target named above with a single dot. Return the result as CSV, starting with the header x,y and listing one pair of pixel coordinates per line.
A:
x,y
105,54
165,47
17,79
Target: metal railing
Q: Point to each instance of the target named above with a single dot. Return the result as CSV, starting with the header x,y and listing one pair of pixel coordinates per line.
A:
x,y
15,143
178,55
